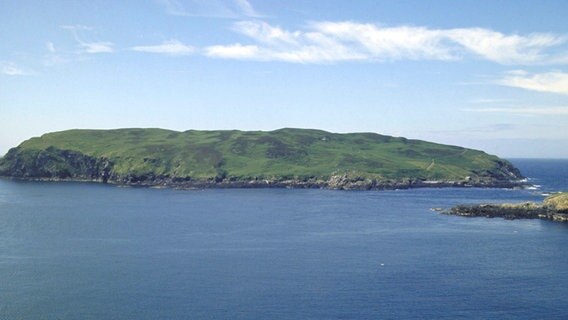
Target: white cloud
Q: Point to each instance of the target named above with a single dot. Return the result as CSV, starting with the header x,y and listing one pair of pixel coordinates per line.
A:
x,y
490,100
97,47
281,45
235,51
267,34
555,82
230,9
388,43
170,47
88,47
11,69
50,47
535,111
54,56
505,49
75,27
246,8
307,54
323,42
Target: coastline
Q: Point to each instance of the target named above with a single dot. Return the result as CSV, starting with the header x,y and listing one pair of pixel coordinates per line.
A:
x,y
553,208
333,183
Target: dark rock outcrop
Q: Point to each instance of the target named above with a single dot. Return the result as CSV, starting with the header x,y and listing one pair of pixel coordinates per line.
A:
x,y
55,164
548,210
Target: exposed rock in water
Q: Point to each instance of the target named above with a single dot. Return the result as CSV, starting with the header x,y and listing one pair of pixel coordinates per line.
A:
x,y
554,207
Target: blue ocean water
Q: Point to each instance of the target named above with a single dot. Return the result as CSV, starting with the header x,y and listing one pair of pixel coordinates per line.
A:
x,y
91,251
549,175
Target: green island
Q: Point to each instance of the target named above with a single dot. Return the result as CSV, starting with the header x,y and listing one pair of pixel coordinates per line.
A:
x,y
554,207
299,158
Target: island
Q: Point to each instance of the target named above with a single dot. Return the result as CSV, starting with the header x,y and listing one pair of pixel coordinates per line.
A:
x,y
554,207
296,158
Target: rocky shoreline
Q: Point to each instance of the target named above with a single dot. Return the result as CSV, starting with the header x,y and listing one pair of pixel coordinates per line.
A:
x,y
553,208
335,182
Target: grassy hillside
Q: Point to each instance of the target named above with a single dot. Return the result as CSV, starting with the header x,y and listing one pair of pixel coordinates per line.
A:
x,y
284,153
558,202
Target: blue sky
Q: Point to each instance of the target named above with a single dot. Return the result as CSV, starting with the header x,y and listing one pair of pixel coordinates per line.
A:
x,y
491,75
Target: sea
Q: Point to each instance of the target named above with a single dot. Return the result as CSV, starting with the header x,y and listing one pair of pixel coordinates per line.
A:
x,y
93,251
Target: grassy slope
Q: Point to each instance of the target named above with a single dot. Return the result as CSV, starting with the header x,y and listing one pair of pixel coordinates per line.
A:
x,y
281,153
558,201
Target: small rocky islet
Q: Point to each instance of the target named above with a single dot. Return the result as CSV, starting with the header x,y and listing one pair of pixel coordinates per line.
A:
x,y
554,208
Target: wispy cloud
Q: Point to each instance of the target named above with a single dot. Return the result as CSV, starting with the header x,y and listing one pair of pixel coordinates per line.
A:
x,y
75,27
396,43
490,100
555,82
171,47
324,42
50,47
85,46
246,8
55,56
97,47
11,69
235,51
230,9
505,49
274,43
534,111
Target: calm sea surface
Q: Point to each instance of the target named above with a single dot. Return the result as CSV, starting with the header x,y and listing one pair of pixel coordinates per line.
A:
x,y
90,251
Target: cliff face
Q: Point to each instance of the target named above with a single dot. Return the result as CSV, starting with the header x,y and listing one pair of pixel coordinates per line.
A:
x,y
503,171
282,158
53,163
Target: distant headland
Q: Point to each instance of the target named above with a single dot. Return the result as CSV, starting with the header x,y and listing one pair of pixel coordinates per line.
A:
x,y
297,158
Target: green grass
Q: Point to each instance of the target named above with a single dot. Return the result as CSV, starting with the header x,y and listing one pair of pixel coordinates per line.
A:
x,y
558,201
288,153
